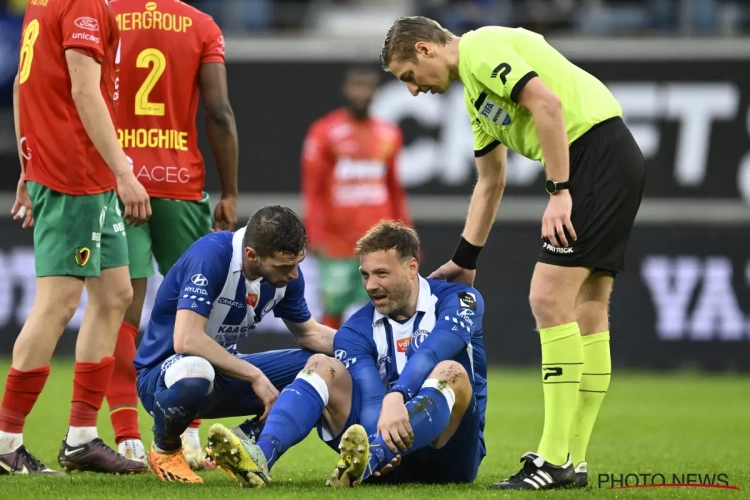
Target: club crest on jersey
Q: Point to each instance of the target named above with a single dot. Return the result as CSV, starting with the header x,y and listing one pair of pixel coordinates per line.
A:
x,y
252,299
418,337
82,255
494,113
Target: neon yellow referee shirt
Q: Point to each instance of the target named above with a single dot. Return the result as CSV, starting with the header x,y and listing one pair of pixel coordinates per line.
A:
x,y
494,65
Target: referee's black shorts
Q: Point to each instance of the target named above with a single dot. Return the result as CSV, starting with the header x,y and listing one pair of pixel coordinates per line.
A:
x,y
607,175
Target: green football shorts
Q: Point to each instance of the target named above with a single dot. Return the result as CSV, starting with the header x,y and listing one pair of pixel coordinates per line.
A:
x,y
341,284
76,235
174,226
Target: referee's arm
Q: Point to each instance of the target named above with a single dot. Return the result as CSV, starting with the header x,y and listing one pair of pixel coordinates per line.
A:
x,y
547,110
485,200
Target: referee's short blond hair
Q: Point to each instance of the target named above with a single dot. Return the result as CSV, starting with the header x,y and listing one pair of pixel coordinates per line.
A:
x,y
404,34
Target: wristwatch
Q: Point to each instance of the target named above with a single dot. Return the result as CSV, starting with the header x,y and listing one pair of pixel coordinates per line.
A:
x,y
553,187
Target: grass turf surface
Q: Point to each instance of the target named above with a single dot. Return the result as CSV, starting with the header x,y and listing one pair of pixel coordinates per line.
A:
x,y
667,424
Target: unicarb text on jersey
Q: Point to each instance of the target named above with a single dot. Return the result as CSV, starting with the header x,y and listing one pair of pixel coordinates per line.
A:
x,y
152,19
153,138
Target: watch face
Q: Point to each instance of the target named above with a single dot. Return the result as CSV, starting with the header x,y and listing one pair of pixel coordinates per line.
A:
x,y
551,186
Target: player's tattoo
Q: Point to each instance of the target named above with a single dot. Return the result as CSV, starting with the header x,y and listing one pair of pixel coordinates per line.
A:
x,y
502,70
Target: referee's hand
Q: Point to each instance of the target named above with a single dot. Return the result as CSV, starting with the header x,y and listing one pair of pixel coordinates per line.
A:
x,y
556,220
450,271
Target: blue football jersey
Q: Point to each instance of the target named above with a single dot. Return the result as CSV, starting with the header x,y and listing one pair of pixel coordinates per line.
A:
x,y
376,349
208,279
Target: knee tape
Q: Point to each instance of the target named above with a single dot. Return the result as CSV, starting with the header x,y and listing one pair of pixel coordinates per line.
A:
x,y
446,390
190,367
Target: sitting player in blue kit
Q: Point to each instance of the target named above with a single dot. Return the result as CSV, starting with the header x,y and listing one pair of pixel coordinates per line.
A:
x,y
404,399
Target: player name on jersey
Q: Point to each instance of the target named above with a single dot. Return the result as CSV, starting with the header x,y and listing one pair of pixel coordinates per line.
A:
x,y
153,138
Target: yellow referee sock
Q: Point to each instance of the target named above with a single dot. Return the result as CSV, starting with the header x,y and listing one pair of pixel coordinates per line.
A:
x,y
597,368
562,363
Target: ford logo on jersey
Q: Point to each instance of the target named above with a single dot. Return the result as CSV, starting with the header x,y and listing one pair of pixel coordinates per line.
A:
x,y
199,280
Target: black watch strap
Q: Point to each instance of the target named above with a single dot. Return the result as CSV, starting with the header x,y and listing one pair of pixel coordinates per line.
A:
x,y
553,187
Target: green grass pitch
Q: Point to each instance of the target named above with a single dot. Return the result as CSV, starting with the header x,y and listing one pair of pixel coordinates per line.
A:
x,y
668,424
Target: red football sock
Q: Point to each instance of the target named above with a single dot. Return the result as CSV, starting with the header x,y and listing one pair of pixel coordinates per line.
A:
x,y
89,385
331,321
22,388
195,424
122,396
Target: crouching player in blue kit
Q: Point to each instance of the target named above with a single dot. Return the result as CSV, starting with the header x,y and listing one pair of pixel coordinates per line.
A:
x,y
215,294
404,400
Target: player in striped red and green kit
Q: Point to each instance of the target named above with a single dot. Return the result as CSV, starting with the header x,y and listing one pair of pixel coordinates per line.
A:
x,y
523,94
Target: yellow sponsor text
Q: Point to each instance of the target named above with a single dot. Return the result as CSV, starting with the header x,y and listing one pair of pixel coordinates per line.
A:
x,y
153,138
153,20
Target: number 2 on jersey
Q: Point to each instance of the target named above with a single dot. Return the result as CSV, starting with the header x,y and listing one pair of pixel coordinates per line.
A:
x,y
28,39
154,59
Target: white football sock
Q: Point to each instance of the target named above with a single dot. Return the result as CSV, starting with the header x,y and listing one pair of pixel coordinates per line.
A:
x,y
78,436
10,442
136,445
193,437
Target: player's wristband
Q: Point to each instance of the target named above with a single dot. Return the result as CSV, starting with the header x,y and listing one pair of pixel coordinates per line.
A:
x,y
405,392
466,254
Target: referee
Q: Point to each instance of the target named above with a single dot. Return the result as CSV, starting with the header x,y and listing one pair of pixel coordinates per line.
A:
x,y
522,94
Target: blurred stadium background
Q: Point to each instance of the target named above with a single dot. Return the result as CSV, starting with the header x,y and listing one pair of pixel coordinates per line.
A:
x,y
679,68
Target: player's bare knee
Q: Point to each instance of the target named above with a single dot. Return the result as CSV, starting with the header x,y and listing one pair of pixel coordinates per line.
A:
x,y
112,292
328,368
122,296
453,375
61,312
116,300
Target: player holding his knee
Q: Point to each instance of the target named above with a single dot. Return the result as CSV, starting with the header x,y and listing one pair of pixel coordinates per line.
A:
x,y
521,93
72,169
212,298
409,382
163,72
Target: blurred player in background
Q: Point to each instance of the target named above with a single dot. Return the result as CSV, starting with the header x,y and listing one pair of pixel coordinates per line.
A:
x,y
349,183
522,94
71,164
171,54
